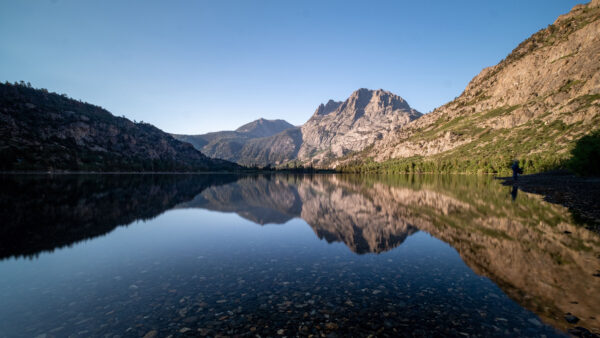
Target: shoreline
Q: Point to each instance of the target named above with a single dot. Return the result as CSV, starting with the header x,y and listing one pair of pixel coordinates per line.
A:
x,y
581,195
241,172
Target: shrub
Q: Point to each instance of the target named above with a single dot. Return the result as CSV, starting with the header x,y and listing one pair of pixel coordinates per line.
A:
x,y
585,158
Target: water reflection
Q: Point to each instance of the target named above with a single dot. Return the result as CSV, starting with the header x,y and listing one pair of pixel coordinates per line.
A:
x,y
514,192
529,248
41,212
260,199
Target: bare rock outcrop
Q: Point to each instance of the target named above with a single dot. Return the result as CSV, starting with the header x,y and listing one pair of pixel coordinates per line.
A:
x,y
337,128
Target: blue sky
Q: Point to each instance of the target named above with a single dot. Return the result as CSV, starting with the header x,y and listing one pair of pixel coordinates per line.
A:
x,y
198,66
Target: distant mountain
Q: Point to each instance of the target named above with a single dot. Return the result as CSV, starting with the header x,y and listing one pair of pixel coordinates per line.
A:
x,y
229,145
46,131
335,129
263,128
534,105
338,128
277,149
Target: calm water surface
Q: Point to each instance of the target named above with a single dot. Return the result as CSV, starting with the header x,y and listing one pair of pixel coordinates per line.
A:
x,y
288,255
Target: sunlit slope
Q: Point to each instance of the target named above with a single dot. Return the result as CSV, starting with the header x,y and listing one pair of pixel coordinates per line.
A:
x,y
534,105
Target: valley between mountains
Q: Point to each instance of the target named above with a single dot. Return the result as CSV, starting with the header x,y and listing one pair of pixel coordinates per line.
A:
x,y
535,105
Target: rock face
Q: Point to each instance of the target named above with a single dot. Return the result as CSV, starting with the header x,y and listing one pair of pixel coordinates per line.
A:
x,y
338,128
231,145
47,131
544,95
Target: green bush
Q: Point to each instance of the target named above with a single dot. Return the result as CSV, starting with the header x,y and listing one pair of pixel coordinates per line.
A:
x,y
585,158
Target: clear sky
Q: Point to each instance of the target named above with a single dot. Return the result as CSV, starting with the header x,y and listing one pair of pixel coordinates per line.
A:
x,y
198,66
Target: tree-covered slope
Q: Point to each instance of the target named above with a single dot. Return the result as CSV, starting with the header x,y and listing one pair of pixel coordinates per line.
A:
x,y
46,131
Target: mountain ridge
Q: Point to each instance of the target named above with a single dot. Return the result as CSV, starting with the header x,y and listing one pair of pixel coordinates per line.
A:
x,y
229,144
532,106
338,128
334,129
44,131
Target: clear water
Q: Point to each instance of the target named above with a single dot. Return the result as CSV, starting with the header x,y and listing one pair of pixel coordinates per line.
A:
x,y
285,255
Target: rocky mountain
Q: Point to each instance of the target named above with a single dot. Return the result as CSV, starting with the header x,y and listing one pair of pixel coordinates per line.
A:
x,y
338,128
335,129
46,131
263,128
534,105
229,145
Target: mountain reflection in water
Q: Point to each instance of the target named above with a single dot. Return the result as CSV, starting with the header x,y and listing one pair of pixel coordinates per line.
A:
x,y
41,212
531,249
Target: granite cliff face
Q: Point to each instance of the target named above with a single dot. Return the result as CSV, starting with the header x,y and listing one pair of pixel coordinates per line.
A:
x,y
240,145
338,128
536,102
334,130
47,131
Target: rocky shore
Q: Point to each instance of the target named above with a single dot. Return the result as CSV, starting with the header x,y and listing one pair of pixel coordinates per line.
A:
x,y
580,194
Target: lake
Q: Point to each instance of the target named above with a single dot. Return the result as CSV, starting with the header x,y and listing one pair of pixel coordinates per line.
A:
x,y
285,255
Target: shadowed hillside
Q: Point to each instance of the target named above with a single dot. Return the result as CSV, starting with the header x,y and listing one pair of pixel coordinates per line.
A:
x,y
46,131
240,145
